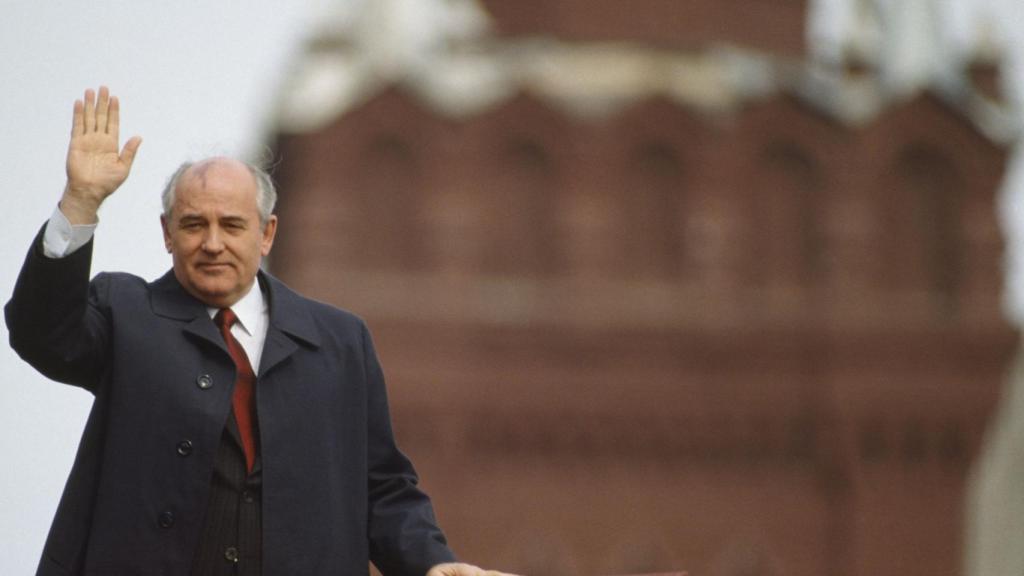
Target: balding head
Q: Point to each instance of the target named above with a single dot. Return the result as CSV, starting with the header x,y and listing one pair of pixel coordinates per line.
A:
x,y
266,197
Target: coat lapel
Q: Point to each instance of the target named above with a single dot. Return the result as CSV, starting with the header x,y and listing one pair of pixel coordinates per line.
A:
x,y
170,300
290,320
290,324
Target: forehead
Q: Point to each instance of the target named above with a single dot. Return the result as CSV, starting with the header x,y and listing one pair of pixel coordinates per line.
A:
x,y
222,185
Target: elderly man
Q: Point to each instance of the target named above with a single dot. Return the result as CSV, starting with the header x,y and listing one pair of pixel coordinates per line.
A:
x,y
238,427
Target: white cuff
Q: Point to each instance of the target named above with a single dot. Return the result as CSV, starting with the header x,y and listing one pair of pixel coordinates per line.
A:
x,y
61,238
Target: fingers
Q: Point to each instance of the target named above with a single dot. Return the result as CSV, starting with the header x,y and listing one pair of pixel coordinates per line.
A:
x,y
100,114
129,150
96,114
90,111
77,119
114,118
102,108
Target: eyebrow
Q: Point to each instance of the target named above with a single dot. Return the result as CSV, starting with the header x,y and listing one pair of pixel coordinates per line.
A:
x,y
197,217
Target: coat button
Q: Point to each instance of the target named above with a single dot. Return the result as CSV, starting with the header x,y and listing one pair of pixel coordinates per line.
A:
x,y
231,554
166,519
204,381
184,448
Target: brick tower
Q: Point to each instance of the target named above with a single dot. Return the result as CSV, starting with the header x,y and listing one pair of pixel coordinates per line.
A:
x,y
652,289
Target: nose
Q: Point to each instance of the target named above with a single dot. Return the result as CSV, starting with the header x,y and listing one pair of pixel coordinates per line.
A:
x,y
212,242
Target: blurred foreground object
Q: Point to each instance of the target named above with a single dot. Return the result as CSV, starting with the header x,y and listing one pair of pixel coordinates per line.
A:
x,y
724,305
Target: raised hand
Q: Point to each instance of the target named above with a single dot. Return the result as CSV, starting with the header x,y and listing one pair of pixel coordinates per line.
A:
x,y
95,168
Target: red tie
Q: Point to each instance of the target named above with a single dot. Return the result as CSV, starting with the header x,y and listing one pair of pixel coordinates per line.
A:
x,y
241,399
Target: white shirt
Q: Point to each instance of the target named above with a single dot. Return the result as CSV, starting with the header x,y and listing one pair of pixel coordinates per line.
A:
x,y
251,328
62,238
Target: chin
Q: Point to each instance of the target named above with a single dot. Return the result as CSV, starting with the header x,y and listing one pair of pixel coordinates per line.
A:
x,y
211,296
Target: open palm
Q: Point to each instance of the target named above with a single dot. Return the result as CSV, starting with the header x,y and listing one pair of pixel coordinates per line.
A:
x,y
95,167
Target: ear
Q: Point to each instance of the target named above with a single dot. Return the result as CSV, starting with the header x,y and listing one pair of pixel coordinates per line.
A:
x,y
167,233
268,235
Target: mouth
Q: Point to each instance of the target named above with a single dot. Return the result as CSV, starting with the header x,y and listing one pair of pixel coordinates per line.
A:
x,y
213,266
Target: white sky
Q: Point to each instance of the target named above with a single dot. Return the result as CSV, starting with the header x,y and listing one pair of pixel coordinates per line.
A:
x,y
194,78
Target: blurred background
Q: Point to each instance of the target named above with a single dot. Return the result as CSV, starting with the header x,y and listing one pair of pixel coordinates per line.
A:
x,y
727,286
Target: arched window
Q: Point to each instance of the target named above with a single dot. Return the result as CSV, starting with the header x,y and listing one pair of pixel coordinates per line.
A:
x,y
384,194
786,243
652,205
520,211
920,208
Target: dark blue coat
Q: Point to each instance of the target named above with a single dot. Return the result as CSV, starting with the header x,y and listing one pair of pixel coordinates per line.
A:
x,y
336,490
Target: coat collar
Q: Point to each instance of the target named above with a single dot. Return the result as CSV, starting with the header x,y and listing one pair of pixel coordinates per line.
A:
x,y
290,318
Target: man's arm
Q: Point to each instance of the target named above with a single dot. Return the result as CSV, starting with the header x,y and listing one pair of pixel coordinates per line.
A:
x,y
403,534
53,320
404,537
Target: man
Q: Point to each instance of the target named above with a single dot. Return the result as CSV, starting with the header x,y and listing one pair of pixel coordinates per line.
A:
x,y
237,427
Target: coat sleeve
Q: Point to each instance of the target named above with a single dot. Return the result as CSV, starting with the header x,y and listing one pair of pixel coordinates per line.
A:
x,y
405,539
55,318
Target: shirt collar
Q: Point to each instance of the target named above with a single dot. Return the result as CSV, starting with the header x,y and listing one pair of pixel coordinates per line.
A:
x,y
250,309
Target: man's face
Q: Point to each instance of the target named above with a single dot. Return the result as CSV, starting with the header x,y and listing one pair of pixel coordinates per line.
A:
x,y
214,232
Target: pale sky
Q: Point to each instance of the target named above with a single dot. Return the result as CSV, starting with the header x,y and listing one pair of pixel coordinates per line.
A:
x,y
195,79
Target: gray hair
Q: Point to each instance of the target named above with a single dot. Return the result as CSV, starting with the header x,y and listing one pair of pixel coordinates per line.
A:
x,y
266,191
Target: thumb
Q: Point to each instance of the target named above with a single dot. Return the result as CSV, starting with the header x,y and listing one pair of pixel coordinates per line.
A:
x,y
129,150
